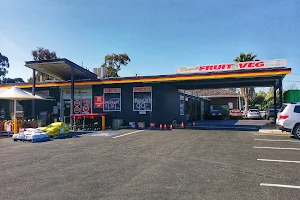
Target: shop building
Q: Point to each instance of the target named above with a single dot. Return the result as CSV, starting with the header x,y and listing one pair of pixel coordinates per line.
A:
x,y
156,99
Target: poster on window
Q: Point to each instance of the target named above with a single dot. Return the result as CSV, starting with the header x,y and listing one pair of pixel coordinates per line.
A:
x,y
98,101
77,106
112,99
45,92
86,106
142,99
181,105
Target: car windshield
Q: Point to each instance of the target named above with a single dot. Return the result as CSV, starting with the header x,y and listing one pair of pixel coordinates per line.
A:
x,y
235,111
253,110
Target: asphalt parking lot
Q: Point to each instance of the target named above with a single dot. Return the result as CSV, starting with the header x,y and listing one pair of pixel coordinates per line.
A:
x,y
177,164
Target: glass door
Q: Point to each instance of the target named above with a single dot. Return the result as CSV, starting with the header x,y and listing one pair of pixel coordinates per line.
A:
x,y
67,111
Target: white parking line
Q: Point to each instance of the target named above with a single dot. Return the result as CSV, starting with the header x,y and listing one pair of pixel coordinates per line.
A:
x,y
279,185
268,140
296,149
127,134
282,161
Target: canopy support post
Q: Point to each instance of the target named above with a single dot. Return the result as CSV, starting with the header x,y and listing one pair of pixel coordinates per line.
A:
x,y
72,97
15,117
280,93
275,107
184,108
33,92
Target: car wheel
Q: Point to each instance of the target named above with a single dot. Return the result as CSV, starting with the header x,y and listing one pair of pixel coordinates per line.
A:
x,y
296,131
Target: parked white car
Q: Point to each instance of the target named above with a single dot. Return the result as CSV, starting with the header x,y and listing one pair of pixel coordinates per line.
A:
x,y
288,119
253,114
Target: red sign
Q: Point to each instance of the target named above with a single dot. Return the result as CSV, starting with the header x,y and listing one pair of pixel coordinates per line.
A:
x,y
142,89
98,101
232,66
76,102
76,110
45,92
112,90
86,102
85,109
85,106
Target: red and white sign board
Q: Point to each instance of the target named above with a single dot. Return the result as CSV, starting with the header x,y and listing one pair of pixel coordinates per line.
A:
x,y
112,90
232,66
76,106
142,89
77,102
98,101
76,110
85,106
45,92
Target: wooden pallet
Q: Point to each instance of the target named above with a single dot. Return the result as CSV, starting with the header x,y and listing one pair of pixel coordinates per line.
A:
x,y
33,141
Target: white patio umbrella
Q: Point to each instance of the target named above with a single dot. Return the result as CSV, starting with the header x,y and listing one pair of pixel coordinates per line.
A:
x,y
17,94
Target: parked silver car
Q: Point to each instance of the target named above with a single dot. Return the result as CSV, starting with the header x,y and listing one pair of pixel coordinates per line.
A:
x,y
253,114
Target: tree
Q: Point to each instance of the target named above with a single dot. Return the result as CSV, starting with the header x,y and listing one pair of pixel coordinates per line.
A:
x,y
114,62
4,65
258,100
42,54
246,92
13,80
270,97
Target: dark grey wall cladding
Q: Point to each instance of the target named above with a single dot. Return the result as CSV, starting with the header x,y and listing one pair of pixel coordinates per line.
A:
x,y
165,104
41,105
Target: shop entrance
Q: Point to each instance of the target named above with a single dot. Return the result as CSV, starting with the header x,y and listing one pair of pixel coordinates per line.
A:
x,y
67,111
81,105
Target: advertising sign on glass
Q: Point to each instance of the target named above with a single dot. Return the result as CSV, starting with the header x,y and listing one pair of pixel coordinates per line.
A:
x,y
45,92
86,106
78,94
142,99
98,101
77,106
181,105
112,99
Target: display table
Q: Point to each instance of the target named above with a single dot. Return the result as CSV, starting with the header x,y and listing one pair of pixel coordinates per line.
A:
x,y
88,121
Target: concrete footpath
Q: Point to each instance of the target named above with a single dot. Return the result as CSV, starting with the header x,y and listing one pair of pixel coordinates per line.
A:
x,y
236,125
271,129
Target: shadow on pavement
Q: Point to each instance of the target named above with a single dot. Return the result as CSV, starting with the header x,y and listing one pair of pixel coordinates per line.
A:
x,y
239,125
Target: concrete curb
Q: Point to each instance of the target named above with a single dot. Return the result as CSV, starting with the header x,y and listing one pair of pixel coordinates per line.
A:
x,y
273,131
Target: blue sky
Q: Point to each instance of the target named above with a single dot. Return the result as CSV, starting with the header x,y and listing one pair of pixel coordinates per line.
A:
x,y
158,35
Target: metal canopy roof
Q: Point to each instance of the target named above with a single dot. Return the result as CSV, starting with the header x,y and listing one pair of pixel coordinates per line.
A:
x,y
234,79
267,81
61,69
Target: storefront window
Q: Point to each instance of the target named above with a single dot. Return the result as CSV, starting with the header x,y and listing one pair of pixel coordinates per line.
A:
x,y
142,99
82,100
112,99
